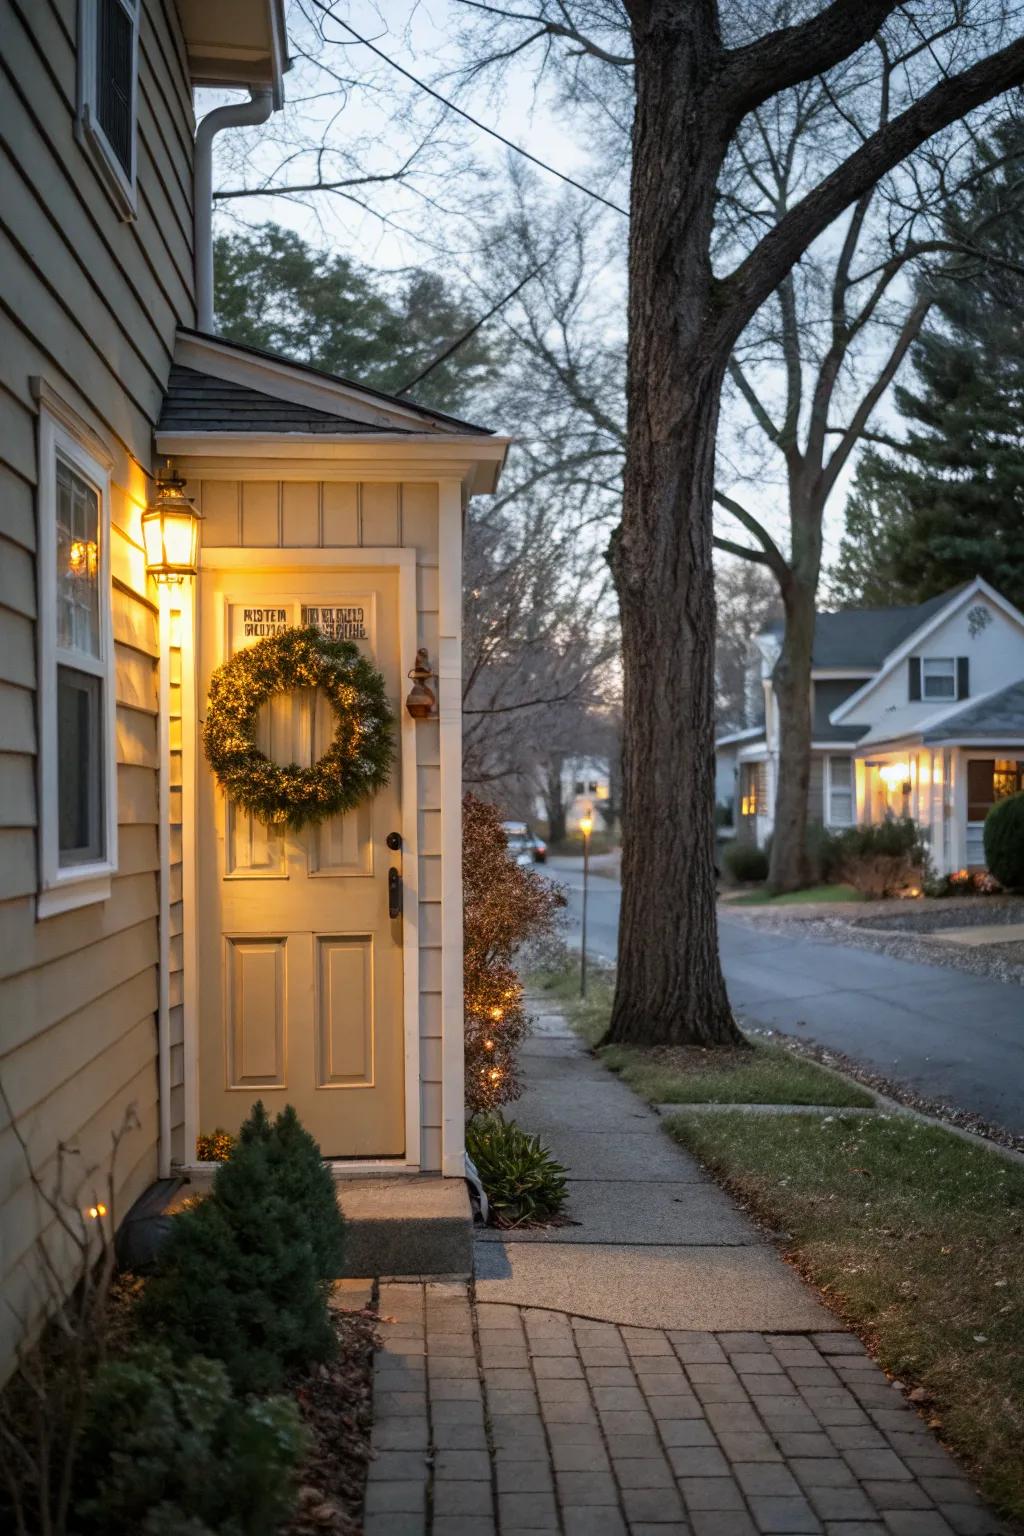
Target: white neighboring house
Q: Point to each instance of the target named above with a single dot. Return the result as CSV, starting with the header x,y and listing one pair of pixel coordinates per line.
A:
x,y
916,711
586,786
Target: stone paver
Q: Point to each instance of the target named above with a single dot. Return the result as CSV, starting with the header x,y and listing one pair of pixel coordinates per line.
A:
x,y
545,1436
643,1373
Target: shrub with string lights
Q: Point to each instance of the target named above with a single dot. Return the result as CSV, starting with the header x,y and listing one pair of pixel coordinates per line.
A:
x,y
504,905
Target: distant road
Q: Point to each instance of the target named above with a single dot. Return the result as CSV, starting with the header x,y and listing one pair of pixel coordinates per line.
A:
x,y
947,1035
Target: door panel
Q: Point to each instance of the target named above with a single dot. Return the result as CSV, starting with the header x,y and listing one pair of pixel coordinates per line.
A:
x,y
300,965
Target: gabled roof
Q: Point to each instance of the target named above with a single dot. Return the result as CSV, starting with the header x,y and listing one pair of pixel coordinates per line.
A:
x,y
994,715
939,609
863,637
200,402
203,363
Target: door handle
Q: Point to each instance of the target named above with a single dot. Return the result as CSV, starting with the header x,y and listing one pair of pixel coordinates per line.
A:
x,y
394,893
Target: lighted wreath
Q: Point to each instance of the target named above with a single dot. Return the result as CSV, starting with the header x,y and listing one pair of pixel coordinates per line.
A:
x,y
356,764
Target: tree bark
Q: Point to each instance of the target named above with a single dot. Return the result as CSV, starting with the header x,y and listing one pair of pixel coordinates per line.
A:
x,y
670,988
554,801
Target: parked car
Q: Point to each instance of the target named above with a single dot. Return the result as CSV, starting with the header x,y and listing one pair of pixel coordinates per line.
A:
x,y
524,846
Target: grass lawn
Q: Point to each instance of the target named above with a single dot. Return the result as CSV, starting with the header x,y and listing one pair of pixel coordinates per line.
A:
x,y
917,1239
813,893
767,1074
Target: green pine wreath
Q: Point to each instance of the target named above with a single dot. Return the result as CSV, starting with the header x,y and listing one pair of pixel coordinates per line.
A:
x,y
356,764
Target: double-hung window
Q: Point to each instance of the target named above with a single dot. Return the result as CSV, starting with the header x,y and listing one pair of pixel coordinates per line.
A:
x,y
77,768
840,791
108,47
938,677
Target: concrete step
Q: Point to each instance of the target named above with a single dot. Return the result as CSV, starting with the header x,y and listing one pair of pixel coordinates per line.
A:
x,y
417,1225
412,1224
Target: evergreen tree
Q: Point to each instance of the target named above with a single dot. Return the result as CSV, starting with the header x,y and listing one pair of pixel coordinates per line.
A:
x,y
948,504
275,291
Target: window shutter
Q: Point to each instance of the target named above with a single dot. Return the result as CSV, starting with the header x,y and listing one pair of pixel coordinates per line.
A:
x,y
914,678
114,50
963,677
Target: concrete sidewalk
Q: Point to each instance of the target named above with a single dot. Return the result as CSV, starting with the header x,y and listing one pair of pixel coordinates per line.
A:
x,y
654,1243
653,1370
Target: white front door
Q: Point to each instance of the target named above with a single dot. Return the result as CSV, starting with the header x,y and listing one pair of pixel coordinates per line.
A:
x,y
300,963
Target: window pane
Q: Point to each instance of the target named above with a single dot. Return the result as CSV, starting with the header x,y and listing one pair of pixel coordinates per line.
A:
x,y
79,767
114,78
841,771
78,591
938,677
841,808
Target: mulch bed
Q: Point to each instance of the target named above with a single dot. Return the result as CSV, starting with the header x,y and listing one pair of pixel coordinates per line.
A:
x,y
336,1403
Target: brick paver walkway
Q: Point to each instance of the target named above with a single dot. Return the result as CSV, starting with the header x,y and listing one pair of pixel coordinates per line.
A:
x,y
493,1420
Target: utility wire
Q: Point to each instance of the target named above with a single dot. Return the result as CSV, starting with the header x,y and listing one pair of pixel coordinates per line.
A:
x,y
450,105
461,340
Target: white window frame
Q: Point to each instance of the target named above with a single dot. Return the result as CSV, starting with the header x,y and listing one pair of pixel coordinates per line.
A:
x,y
64,887
121,184
936,661
830,820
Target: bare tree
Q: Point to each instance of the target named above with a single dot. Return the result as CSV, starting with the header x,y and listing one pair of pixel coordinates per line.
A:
x,y
694,91
747,602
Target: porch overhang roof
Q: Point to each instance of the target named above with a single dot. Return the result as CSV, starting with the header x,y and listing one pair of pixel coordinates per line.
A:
x,y
228,405
236,43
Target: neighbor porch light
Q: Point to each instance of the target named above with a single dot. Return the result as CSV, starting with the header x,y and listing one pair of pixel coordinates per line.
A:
x,y
895,775
170,531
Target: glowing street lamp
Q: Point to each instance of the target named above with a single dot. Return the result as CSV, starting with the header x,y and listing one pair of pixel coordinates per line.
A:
x,y
586,827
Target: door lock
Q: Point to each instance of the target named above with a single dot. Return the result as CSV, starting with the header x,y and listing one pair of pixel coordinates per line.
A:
x,y
394,841
394,893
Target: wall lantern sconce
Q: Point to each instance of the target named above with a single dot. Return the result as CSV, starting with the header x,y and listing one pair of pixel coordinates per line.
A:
x,y
421,699
895,776
170,531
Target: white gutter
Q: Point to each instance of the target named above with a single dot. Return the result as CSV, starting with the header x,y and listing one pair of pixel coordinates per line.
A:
x,y
236,115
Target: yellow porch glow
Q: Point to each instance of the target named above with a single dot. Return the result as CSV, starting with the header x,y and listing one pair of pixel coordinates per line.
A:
x,y
893,775
170,532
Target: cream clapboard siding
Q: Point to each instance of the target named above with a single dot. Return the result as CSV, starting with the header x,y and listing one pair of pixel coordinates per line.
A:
x,y
313,514
90,305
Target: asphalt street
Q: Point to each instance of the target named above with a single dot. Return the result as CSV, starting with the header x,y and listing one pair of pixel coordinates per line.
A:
x,y
946,1035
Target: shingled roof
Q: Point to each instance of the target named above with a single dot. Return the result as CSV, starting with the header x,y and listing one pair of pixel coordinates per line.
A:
x,y
997,715
864,637
199,402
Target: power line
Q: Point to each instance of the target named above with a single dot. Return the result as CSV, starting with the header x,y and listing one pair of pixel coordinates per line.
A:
x,y
461,340
450,105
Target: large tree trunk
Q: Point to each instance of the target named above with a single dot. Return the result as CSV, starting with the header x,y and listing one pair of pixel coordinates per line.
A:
x,y
792,679
670,988
554,801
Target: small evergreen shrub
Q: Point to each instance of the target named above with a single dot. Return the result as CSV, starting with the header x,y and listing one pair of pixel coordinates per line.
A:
x,y
239,1278
745,862
883,859
168,1451
303,1179
1004,841
522,1181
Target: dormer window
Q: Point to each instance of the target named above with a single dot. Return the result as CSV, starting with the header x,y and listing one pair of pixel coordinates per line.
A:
x,y
108,46
938,677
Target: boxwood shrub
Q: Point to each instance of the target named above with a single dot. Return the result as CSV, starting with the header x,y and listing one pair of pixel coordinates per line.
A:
x,y
1004,841
745,861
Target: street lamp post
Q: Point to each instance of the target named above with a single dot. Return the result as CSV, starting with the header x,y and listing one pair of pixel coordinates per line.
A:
x,y
586,827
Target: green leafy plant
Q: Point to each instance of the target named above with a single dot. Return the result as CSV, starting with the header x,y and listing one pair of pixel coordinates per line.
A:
x,y
167,1448
522,1181
241,1275
885,859
745,862
1004,841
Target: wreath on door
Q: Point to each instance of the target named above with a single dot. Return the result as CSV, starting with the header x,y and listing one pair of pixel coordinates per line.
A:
x,y
356,764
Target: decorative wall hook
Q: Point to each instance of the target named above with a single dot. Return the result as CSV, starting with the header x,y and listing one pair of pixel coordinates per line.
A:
x,y
421,698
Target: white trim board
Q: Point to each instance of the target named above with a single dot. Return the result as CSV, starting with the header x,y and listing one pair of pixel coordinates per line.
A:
x,y
286,561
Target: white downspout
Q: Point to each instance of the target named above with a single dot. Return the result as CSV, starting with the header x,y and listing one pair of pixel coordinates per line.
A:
x,y
236,115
